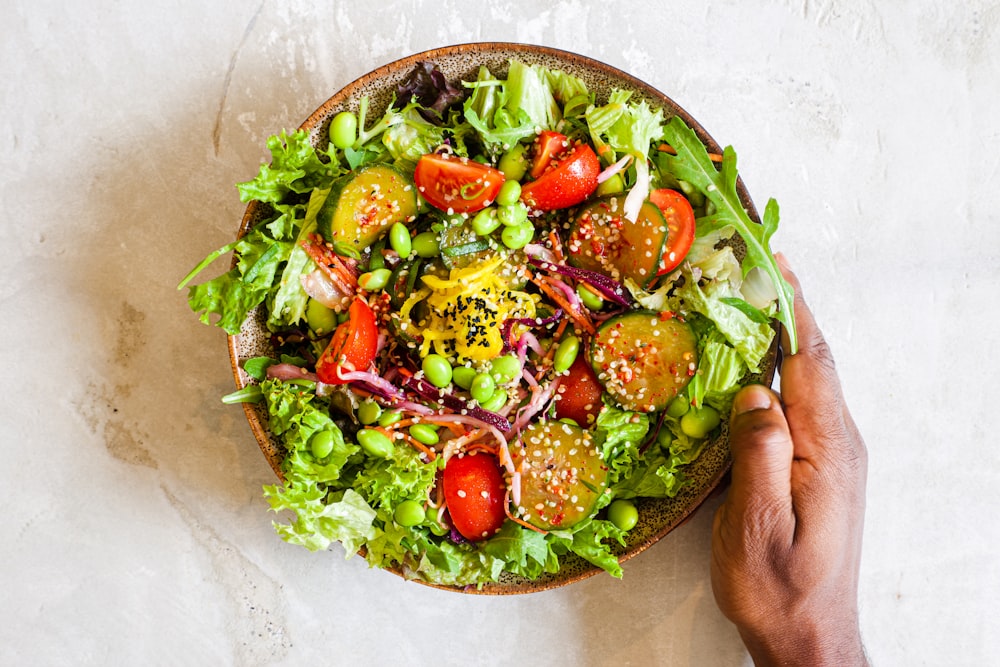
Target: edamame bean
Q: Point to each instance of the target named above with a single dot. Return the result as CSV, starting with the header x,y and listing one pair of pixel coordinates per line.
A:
x,y
321,320
389,417
482,387
514,215
678,407
485,222
437,370
408,513
424,433
565,354
510,193
612,186
514,163
375,443
431,517
623,514
699,422
590,299
374,280
344,129
504,369
463,376
496,401
518,236
321,444
427,244
368,412
399,239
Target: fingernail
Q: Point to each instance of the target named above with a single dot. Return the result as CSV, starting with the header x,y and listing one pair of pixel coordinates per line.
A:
x,y
752,397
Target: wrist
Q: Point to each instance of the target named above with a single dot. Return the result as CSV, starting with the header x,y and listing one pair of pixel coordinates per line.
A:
x,y
804,643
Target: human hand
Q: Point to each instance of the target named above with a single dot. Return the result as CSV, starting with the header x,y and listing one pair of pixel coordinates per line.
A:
x,y
786,543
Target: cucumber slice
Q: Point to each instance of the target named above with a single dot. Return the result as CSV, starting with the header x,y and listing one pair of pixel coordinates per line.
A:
x,y
602,239
364,204
562,477
644,359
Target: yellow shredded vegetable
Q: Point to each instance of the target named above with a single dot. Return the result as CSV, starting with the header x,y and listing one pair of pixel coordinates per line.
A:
x,y
466,311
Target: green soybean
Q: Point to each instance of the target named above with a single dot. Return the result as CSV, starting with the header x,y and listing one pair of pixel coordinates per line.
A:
x,y
368,412
374,280
482,387
612,186
513,215
424,433
431,517
321,444
344,129
496,401
514,163
389,417
375,443
505,369
321,320
437,370
590,299
518,236
463,376
399,239
565,354
485,222
699,422
427,244
408,513
623,514
510,193
678,407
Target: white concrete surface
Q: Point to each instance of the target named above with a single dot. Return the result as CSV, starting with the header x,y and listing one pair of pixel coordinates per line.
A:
x,y
133,528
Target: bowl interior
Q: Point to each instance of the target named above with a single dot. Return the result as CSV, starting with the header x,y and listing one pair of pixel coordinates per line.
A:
x,y
657,517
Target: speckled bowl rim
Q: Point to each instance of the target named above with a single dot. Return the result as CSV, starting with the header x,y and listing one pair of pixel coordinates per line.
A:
x,y
463,60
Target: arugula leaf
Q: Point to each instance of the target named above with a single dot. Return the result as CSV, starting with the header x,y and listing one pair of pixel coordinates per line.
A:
x,y
692,164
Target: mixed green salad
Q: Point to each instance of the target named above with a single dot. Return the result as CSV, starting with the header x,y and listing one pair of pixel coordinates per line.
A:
x,y
501,311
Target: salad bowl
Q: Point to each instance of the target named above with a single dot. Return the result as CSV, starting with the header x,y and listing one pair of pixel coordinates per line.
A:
x,y
656,517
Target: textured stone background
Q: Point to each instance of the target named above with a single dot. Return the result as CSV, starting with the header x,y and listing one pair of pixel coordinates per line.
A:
x,y
134,530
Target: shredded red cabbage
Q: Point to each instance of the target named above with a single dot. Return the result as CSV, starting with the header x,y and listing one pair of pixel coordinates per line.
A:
x,y
609,287
429,392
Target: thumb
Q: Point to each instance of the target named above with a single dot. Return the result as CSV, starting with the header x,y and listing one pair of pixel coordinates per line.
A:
x,y
762,451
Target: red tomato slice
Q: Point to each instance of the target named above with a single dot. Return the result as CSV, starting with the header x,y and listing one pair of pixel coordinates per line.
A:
x,y
548,146
677,212
474,492
353,344
456,184
580,394
566,182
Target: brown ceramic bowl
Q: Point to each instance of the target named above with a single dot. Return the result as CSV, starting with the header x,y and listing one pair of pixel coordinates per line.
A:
x,y
657,517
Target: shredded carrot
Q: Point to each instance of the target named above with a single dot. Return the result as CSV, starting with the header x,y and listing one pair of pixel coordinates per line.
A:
x,y
482,446
522,521
670,150
579,318
602,149
556,246
421,447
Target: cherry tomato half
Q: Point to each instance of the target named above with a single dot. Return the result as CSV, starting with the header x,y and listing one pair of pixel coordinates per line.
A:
x,y
548,146
566,182
474,493
677,212
353,344
458,184
580,394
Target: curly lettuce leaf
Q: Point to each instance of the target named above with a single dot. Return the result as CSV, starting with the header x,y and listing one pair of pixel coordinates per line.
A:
x,y
295,166
693,165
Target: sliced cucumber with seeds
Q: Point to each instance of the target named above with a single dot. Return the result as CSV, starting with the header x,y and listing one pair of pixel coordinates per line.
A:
x,y
364,204
644,359
562,477
601,239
